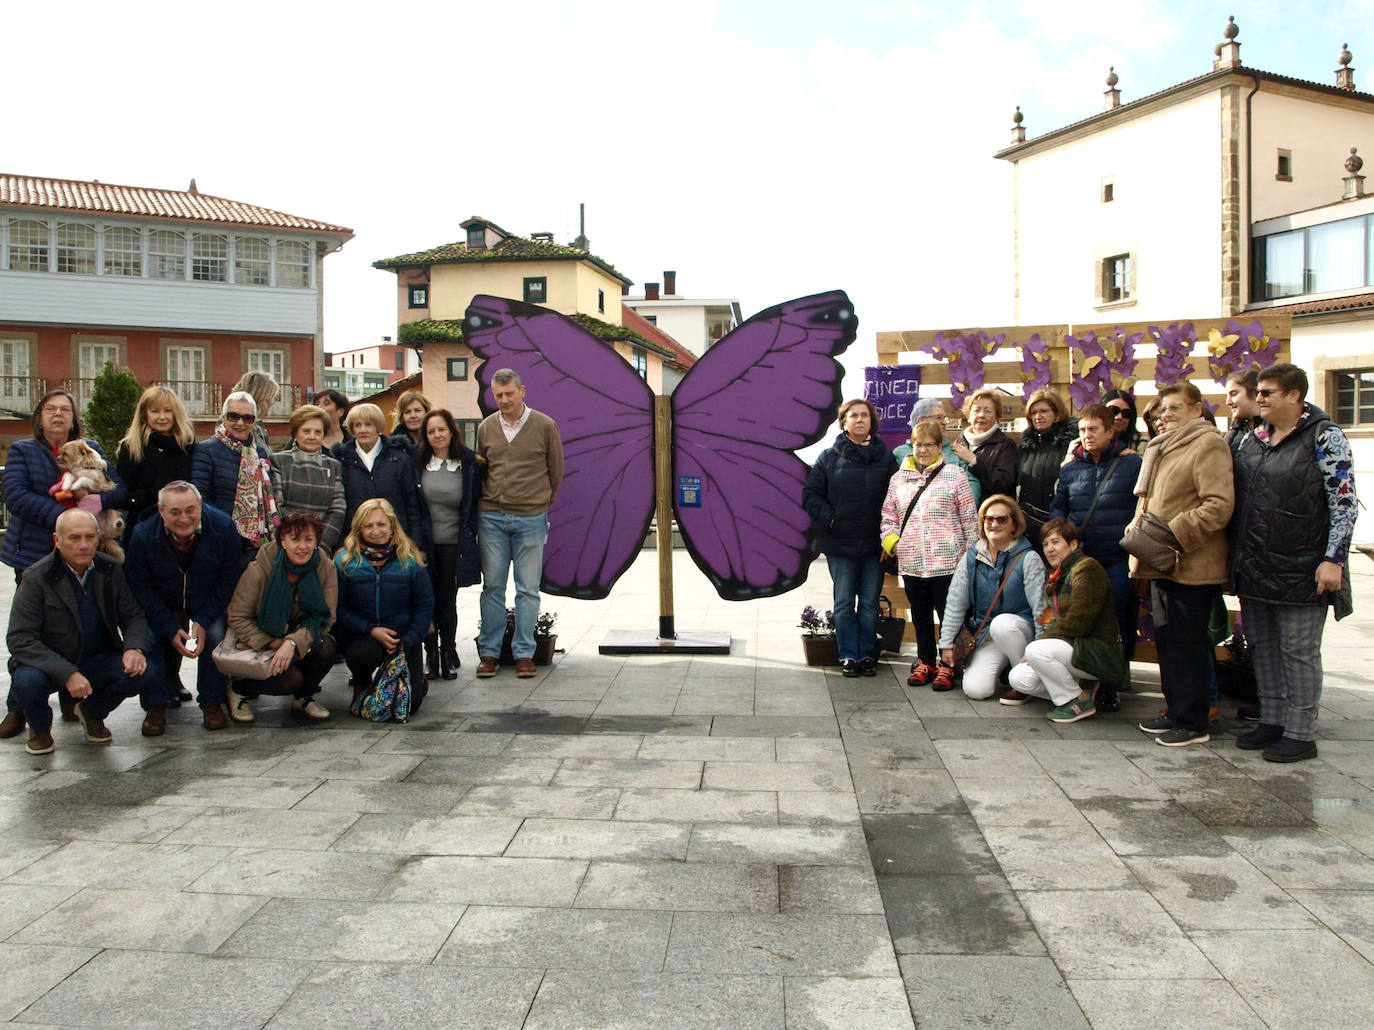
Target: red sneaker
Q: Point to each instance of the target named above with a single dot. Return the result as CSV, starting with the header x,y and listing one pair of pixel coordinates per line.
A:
x,y
944,678
921,674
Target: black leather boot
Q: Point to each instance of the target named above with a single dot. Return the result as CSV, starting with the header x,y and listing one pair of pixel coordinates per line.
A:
x,y
449,661
431,658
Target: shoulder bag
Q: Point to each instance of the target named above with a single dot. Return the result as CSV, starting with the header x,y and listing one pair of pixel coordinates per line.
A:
x,y
965,640
1150,539
241,663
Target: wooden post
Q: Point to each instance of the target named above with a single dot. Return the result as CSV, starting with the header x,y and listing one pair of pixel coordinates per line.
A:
x,y
663,493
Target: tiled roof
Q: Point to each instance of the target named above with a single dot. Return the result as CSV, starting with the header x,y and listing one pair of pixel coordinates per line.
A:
x,y
38,194
1320,307
1220,73
513,248
632,319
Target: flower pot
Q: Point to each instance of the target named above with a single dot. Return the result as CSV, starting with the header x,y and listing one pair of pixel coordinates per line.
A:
x,y
821,650
543,650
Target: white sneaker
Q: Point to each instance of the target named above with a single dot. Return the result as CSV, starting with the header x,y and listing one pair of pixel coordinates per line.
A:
x,y
239,708
310,708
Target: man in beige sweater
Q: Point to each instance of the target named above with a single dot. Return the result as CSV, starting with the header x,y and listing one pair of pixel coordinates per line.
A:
x,y
524,467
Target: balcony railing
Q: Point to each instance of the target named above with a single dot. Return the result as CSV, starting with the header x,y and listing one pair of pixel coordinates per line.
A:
x,y
201,399
21,393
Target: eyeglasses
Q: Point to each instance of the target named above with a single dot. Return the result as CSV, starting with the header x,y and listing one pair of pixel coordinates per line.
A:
x,y
1269,392
54,409
236,416
996,520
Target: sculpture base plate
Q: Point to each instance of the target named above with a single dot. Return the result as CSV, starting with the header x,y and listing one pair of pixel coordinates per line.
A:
x,y
634,641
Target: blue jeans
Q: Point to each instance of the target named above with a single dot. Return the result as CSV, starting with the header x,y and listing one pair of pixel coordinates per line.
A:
x,y
502,541
858,582
30,687
210,682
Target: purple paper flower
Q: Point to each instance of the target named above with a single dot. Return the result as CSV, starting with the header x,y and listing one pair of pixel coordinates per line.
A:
x,y
1175,346
1035,365
1102,364
1237,347
965,356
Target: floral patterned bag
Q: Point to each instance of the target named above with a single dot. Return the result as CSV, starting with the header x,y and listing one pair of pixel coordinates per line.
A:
x,y
388,698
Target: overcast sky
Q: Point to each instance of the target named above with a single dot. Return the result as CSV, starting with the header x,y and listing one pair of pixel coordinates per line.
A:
x,y
763,149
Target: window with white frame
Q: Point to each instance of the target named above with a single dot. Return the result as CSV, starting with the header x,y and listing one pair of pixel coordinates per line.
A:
x,y
209,257
293,263
252,261
75,248
28,245
15,389
92,359
186,376
1115,279
273,362
640,361
166,254
1354,393
123,251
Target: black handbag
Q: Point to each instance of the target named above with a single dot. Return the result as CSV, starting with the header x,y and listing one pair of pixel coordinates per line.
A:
x,y
891,628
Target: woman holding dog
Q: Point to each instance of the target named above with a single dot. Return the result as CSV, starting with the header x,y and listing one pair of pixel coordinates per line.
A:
x,y
155,451
32,472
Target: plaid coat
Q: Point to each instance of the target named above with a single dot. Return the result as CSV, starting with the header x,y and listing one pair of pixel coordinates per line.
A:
x,y
311,483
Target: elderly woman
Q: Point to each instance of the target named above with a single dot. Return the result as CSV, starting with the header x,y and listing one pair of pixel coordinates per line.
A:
x,y
264,390
155,451
1047,439
285,603
335,407
933,409
1079,641
232,472
997,591
31,472
411,408
1096,494
1185,482
989,453
385,598
378,466
844,497
307,478
1123,425
449,491
927,521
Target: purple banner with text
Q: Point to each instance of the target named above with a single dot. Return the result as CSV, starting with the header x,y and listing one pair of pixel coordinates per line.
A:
x,y
893,390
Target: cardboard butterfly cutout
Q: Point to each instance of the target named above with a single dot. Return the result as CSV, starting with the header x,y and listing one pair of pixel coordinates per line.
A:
x,y
765,390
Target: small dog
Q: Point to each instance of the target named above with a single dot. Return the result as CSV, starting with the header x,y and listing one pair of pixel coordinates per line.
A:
x,y
83,469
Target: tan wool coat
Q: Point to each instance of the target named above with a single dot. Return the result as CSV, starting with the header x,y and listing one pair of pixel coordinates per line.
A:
x,y
246,603
1187,481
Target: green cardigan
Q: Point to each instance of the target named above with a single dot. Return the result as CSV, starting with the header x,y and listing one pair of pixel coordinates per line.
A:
x,y
1083,612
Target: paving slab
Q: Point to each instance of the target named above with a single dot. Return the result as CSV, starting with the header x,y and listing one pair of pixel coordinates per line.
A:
x,y
237,827
680,886
149,920
1131,1004
815,845
840,1003
559,938
666,1001
1002,992
818,889
959,915
405,834
1206,892
698,806
83,863
487,881
287,873
821,945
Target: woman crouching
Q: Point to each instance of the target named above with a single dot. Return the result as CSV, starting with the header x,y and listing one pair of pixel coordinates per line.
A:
x,y
1080,641
284,602
386,599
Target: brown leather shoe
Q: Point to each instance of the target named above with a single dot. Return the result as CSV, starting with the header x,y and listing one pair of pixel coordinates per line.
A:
x,y
215,719
40,742
487,667
68,705
95,729
155,721
13,724
524,668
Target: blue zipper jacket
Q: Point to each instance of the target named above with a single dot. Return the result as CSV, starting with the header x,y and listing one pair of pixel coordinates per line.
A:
x,y
398,596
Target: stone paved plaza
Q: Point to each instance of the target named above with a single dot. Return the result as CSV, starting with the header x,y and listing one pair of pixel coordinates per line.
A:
x,y
667,843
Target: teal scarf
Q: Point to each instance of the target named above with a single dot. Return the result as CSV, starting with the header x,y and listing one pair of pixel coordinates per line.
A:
x,y
280,598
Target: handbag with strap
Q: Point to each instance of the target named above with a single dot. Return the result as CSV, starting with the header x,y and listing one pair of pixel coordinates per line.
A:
x,y
965,641
1149,538
240,662
1097,495
891,628
890,561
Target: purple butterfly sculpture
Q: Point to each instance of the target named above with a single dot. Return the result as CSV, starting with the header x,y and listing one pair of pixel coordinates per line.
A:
x,y
766,389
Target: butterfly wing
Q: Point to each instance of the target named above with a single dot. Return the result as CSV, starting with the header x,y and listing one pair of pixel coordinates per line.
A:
x,y
604,413
766,389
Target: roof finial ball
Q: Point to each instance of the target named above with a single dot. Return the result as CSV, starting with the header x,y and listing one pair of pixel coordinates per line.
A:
x,y
1232,30
1112,79
1354,181
1112,95
1018,131
1228,52
1345,75
1354,162
1346,56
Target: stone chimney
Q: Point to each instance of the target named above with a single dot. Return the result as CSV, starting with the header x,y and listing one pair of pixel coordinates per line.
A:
x,y
1112,96
582,243
1354,181
669,284
624,289
1345,75
1228,52
651,291
1018,131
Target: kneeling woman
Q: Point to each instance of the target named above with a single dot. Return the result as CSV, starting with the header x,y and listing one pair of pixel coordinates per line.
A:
x,y
1080,641
386,600
285,602
997,590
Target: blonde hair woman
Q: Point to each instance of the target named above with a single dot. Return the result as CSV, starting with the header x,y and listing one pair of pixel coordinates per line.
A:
x,y
155,451
386,600
411,409
263,389
378,466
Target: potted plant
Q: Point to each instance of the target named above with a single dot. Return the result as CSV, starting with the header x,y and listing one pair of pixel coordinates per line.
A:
x,y
544,638
818,637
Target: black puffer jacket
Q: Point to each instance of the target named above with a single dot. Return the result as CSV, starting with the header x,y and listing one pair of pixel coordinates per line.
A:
x,y
1278,535
1038,460
164,460
1078,483
996,464
844,496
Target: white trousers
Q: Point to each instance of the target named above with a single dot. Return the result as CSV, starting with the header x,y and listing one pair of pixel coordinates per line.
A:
x,y
1003,645
1049,672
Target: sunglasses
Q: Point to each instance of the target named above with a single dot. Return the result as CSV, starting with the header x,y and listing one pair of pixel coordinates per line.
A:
x,y
996,520
234,416
1268,392
1117,412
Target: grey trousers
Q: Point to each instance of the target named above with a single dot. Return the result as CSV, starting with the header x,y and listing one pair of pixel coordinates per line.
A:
x,y
1286,647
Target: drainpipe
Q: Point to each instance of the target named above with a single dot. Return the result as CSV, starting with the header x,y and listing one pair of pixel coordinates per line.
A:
x,y
1248,259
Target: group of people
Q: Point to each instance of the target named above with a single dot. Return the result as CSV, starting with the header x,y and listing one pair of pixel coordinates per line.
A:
x,y
1035,556
350,543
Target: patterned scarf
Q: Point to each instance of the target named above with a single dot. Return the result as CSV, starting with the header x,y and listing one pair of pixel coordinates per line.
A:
x,y
377,554
255,505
